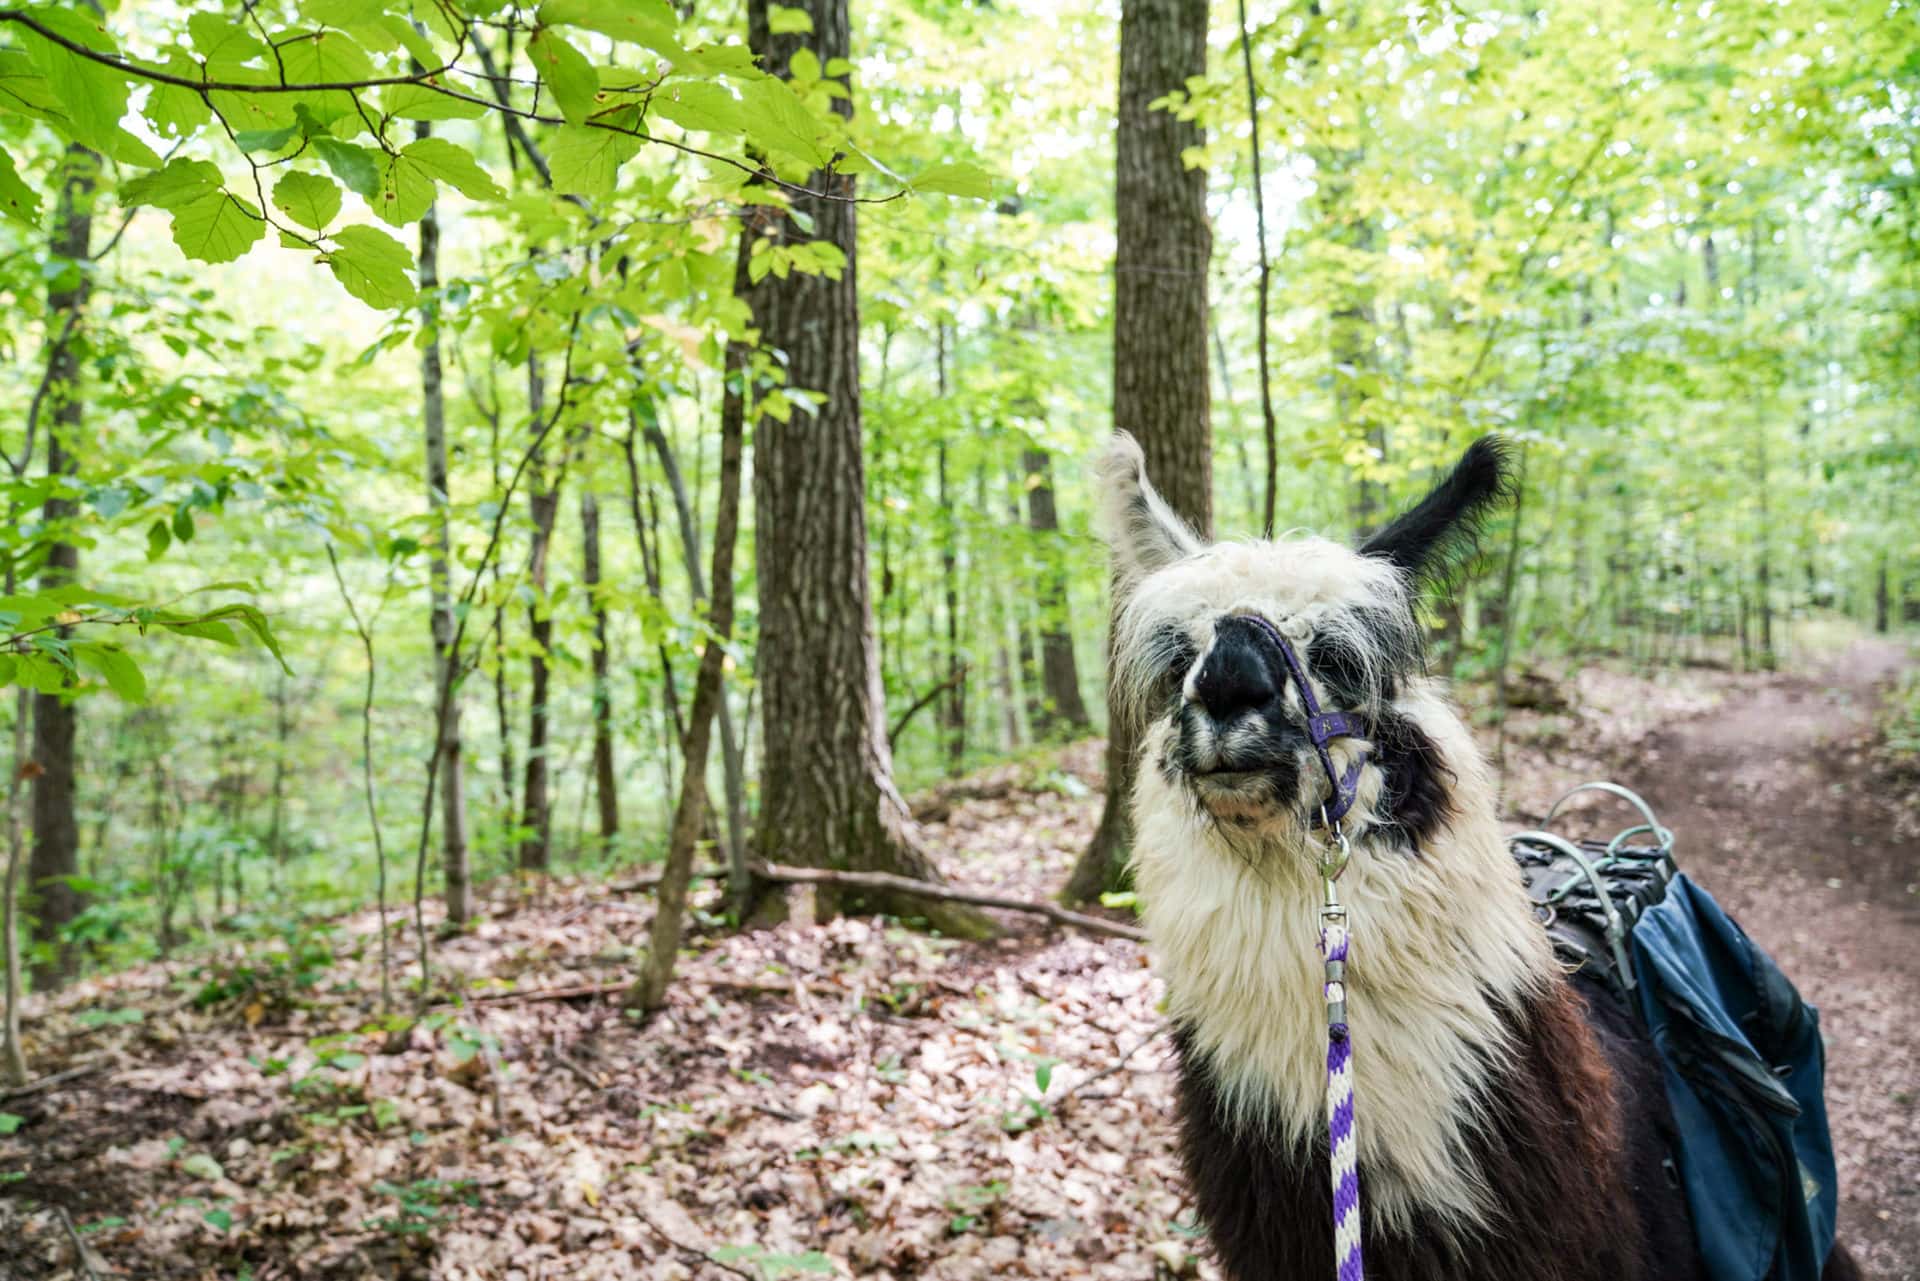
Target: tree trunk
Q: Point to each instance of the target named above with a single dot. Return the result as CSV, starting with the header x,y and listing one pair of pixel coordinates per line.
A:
x,y
56,835
731,757
709,689
605,787
1160,391
1061,712
953,702
455,859
13,1058
543,502
828,796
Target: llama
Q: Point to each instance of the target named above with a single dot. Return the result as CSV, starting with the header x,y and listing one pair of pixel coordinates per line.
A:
x,y
1512,1123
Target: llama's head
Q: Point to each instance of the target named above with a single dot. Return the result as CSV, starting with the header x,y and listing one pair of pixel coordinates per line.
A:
x,y
1224,723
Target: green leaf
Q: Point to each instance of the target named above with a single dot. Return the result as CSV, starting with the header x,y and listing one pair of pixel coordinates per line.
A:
x,y
226,45
372,266
173,111
113,665
219,1219
159,538
779,121
418,102
406,193
651,23
252,140
202,1166
574,83
324,57
957,179
308,199
785,20
92,98
342,13
698,104
202,629
586,162
356,167
218,227
9,1123
179,184
18,201
455,166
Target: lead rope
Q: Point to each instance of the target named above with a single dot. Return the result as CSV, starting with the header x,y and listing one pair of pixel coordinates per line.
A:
x,y
1342,1152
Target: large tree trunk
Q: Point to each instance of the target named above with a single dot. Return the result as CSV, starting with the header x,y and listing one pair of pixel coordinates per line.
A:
x,y
828,796
56,836
605,785
1160,391
543,502
453,784
1062,711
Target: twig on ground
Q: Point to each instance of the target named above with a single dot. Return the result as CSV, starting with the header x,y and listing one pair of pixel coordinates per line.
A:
x,y
578,1072
1116,1066
906,885
49,1081
692,1251
589,991
648,878
79,1246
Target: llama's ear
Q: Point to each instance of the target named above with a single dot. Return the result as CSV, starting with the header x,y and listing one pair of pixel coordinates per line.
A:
x,y
1142,530
1442,530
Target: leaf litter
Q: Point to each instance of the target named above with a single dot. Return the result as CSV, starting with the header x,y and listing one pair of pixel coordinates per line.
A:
x,y
848,1098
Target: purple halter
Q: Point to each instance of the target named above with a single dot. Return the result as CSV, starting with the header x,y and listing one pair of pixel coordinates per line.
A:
x,y
1322,728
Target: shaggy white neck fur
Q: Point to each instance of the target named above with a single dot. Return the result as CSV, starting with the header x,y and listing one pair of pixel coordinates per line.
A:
x,y
1439,939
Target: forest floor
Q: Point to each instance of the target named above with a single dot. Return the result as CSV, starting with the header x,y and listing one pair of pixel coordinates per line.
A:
x,y
852,1098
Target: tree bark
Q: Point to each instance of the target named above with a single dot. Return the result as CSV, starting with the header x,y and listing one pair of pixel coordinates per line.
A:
x,y
56,835
543,504
605,786
828,796
1160,391
732,760
1062,711
709,690
455,858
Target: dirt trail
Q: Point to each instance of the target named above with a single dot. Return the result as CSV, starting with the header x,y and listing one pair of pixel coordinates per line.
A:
x,y
1776,812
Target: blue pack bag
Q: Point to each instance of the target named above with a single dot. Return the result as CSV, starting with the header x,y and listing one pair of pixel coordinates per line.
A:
x,y
1740,1050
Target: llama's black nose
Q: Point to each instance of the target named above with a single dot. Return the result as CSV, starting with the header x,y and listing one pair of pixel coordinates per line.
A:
x,y
1235,676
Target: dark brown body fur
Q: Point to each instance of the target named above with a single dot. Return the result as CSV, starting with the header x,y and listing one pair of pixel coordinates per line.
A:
x,y
1577,1157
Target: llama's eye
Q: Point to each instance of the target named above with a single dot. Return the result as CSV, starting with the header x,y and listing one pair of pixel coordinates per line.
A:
x,y
1181,654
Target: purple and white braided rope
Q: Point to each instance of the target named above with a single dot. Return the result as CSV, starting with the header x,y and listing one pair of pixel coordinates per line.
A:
x,y
1343,1153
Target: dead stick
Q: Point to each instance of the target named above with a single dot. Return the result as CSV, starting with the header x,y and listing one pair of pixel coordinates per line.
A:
x,y
693,1251
946,893
1111,1068
648,878
46,1082
79,1246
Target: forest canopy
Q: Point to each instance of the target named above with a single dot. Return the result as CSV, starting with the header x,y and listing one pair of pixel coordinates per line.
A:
x,y
389,386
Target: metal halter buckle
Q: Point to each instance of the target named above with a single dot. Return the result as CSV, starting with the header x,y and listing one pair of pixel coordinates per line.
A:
x,y
1337,851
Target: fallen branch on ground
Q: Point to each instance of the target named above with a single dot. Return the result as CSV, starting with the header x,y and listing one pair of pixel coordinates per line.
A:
x,y
1078,1090
590,991
693,1252
648,878
79,1246
46,1082
948,894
